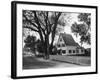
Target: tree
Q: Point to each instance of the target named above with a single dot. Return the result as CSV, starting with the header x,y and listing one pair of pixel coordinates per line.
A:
x,y
45,24
83,29
30,42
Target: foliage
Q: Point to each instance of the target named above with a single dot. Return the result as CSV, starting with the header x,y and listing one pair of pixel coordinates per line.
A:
x,y
83,29
30,42
85,17
40,47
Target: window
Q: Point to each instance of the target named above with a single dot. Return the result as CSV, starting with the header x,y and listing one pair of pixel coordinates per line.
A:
x,y
73,51
70,51
60,39
63,45
77,51
58,45
63,51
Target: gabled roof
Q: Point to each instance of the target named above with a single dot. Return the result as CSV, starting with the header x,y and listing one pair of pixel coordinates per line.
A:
x,y
68,39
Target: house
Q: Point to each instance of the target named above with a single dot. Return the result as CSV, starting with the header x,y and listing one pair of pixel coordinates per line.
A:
x,y
67,45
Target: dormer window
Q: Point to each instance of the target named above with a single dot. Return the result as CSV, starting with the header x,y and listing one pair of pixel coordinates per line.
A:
x,y
60,39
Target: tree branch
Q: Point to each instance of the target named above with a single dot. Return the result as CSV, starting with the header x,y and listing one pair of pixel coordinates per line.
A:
x,y
37,21
31,28
29,21
54,28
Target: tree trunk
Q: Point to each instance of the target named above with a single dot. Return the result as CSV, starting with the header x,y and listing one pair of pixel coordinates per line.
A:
x,y
46,56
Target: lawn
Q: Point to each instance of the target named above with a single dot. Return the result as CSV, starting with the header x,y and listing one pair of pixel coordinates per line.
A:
x,y
79,60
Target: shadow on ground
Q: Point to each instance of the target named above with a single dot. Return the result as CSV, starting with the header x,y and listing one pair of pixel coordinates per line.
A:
x,y
36,63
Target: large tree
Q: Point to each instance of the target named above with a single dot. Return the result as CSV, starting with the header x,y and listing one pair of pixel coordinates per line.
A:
x,y
83,28
45,24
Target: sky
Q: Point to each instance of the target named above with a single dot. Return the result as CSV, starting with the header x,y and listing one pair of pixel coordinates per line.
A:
x,y
67,29
70,19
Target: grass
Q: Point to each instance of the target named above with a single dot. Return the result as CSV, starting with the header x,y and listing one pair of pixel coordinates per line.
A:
x,y
81,60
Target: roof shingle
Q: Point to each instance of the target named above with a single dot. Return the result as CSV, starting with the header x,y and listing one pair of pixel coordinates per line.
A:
x,y
68,39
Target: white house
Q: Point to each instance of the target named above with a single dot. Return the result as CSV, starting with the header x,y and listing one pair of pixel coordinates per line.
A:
x,y
67,45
